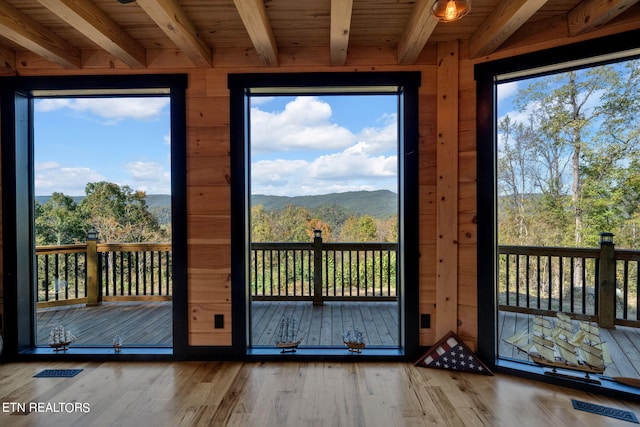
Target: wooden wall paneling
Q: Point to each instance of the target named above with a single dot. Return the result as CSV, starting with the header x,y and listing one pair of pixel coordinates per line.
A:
x,y
201,327
447,171
196,83
208,141
208,200
208,170
204,111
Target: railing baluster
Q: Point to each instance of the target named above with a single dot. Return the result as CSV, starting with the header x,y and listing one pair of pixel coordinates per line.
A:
x,y
137,272
151,270
549,284
129,272
625,290
144,272
538,282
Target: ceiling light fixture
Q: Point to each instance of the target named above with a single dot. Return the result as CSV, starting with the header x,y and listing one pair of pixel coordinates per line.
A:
x,y
450,10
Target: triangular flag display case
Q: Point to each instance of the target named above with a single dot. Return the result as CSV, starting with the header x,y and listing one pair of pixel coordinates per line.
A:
x,y
453,354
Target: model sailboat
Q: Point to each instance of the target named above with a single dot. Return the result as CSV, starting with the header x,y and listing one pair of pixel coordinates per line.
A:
x,y
562,346
60,338
287,336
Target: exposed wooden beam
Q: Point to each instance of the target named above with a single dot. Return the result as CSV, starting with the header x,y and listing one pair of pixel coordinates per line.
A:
x,y
340,28
21,29
91,21
592,14
416,32
254,16
170,17
505,20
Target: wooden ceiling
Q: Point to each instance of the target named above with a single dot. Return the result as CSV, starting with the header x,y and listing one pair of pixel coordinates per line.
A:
x,y
60,30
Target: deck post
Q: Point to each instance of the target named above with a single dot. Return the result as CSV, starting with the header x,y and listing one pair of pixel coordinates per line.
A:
x,y
93,291
317,267
607,282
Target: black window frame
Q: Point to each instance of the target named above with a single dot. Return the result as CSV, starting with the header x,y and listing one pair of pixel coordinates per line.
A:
x,y
348,83
604,50
17,166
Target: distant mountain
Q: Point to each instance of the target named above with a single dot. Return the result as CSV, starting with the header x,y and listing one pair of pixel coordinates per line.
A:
x,y
379,203
339,206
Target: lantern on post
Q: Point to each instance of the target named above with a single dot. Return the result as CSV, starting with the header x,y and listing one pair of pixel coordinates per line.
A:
x,y
606,238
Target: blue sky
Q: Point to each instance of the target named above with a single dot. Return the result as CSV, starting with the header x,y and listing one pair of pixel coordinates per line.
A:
x,y
300,145
317,145
121,140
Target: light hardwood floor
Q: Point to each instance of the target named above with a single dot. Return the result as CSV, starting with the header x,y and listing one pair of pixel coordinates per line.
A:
x,y
290,394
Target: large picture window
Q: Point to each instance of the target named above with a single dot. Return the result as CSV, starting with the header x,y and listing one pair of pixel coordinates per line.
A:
x,y
93,196
334,261
564,258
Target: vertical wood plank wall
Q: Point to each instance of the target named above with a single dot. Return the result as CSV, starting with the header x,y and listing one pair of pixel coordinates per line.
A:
x,y
208,176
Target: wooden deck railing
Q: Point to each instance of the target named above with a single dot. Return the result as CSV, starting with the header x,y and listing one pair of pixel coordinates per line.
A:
x,y
323,271
94,272
598,282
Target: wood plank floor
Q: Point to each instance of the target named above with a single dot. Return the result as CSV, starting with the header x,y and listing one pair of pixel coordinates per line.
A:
x,y
623,344
288,394
324,325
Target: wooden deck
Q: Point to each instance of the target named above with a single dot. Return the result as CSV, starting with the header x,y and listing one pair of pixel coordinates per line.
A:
x,y
324,325
623,344
146,324
149,323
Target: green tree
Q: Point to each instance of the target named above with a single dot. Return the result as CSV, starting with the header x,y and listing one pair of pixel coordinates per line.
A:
x,y
59,221
359,229
120,214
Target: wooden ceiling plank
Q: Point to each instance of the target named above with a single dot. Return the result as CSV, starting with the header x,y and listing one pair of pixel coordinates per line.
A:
x,y
26,32
91,21
170,17
416,33
505,20
254,16
340,28
592,14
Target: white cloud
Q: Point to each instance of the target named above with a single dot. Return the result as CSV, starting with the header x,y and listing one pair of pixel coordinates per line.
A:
x,y
304,124
506,90
366,160
52,177
354,162
149,177
113,109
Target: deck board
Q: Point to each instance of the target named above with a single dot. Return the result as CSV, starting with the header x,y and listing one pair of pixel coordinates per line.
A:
x,y
324,325
138,323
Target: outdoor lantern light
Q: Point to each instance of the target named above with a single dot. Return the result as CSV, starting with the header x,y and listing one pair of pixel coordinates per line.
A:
x,y
317,233
606,237
450,10
92,235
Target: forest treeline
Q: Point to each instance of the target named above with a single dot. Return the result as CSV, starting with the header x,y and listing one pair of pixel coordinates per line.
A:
x,y
296,224
569,159
120,214
117,213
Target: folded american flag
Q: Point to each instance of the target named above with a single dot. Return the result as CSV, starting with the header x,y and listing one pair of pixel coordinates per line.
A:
x,y
452,353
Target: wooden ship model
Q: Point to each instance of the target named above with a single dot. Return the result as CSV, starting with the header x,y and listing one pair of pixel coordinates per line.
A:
x,y
287,336
60,338
563,347
354,340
